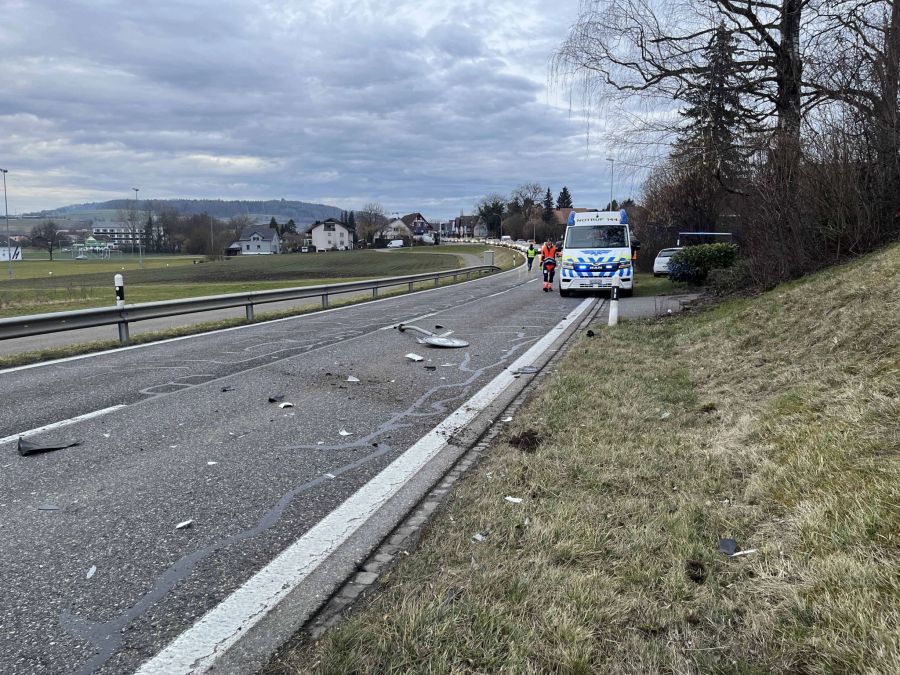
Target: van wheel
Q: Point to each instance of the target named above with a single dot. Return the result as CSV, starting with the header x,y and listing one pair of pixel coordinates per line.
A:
x,y
626,292
564,293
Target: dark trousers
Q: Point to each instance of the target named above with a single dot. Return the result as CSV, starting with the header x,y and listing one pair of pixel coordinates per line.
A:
x,y
549,271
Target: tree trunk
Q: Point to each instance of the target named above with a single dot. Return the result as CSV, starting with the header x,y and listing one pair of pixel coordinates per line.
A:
x,y
789,74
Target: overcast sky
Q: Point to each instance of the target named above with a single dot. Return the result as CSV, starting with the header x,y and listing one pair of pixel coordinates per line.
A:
x,y
422,106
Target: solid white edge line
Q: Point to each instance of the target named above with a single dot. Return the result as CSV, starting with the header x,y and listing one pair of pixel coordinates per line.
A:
x,y
63,423
196,649
78,357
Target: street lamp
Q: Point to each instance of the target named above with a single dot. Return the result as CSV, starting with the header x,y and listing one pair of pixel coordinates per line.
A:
x,y
612,172
138,228
8,245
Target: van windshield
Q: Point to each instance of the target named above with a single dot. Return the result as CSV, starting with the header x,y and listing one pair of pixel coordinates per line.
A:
x,y
596,236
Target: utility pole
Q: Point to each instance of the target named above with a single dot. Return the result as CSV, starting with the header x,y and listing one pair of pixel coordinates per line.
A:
x,y
138,229
8,244
612,172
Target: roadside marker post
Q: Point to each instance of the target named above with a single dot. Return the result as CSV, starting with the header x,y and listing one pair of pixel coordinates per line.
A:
x,y
119,282
614,303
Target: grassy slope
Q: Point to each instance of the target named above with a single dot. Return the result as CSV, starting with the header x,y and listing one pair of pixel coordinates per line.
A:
x,y
81,284
774,420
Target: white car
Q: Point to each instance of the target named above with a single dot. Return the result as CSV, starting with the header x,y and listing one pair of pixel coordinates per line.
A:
x,y
661,263
395,243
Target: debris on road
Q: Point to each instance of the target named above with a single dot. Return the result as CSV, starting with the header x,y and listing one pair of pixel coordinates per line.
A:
x,y
224,389
352,379
526,370
184,524
513,500
590,333
430,367
278,398
479,536
728,546
286,404
30,448
507,419
414,357
433,340
91,572
211,463
344,432
48,507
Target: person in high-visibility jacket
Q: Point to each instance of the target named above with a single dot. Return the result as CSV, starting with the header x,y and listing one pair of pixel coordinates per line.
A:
x,y
530,255
548,264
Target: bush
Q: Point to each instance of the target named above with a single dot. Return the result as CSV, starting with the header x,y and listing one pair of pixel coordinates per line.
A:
x,y
727,281
692,264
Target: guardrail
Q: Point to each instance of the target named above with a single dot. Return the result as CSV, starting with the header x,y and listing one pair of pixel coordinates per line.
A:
x,y
37,324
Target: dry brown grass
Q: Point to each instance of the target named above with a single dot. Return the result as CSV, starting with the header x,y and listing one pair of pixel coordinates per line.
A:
x,y
774,420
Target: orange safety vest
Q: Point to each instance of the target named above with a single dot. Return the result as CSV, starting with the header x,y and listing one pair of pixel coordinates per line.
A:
x,y
548,251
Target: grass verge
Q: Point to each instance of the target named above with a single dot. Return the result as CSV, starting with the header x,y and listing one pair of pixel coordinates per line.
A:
x,y
774,421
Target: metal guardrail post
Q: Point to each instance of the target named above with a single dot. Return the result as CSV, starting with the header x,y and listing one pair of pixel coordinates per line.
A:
x,y
325,299
375,291
123,332
249,311
437,281
410,286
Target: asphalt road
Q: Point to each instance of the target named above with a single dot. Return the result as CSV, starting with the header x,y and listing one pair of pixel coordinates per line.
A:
x,y
95,576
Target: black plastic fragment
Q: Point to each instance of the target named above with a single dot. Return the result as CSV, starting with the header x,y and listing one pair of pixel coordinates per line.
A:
x,y
276,399
224,389
430,367
590,333
728,546
29,448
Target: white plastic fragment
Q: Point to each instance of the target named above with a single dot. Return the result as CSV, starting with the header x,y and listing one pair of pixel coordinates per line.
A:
x,y
479,536
414,357
344,432
211,463
352,379
329,475
513,500
91,572
286,404
320,442
506,419
184,524
740,553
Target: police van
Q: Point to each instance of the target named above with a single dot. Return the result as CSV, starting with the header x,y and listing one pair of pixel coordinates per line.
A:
x,y
597,249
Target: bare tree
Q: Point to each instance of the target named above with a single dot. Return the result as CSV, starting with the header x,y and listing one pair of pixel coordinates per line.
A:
x,y
370,221
46,234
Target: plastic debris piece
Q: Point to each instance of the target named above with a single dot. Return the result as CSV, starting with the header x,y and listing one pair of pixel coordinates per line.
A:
x,y
286,404
506,419
320,442
344,432
30,448
513,500
105,435
479,536
91,572
352,379
438,326
590,333
224,389
430,367
186,523
526,370
48,507
740,553
414,357
211,463
329,475
276,399
666,415
728,546
447,365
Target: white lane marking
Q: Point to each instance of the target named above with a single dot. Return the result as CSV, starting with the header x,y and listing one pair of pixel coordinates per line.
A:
x,y
494,295
532,281
63,423
196,649
252,325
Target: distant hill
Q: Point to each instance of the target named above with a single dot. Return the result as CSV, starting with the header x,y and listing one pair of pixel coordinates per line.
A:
x,y
282,209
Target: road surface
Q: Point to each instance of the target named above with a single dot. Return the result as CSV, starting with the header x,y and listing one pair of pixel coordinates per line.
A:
x,y
96,577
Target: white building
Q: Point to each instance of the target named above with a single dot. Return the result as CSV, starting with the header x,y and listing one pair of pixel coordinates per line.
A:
x,y
256,241
331,234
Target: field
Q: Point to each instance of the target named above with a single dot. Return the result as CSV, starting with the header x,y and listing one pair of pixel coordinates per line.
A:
x,y
43,286
771,421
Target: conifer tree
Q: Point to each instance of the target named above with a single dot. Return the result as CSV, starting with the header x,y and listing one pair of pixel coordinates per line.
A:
x,y
564,200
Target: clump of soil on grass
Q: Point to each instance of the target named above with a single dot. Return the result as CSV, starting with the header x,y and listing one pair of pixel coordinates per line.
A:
x,y
527,441
695,571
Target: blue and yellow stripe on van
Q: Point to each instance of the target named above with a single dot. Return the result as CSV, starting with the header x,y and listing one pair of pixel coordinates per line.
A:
x,y
587,266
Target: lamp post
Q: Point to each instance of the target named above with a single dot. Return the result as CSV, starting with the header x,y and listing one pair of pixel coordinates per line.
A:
x,y
138,228
8,245
612,172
